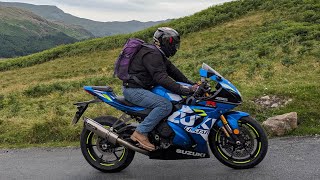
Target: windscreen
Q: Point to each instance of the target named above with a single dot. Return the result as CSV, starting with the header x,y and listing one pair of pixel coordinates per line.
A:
x,y
210,69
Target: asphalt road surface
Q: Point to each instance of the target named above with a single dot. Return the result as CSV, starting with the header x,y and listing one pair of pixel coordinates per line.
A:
x,y
287,158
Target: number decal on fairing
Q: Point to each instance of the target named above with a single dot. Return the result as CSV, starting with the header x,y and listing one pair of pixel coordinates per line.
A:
x,y
181,117
178,117
191,122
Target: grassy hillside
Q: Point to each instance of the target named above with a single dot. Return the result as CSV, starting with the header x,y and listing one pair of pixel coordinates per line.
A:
x,y
22,33
99,29
264,47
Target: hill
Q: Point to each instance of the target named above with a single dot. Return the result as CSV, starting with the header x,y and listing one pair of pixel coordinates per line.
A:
x,y
22,33
265,47
97,28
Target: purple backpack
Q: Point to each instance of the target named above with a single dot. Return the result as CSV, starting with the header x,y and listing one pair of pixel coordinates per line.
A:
x,y
130,49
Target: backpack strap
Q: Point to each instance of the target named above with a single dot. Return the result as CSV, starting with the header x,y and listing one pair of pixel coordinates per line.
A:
x,y
138,81
151,46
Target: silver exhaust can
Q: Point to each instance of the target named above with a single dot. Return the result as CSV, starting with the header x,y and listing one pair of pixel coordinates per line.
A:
x,y
110,136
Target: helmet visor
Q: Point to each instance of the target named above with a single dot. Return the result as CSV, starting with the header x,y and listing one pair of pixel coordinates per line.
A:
x,y
177,45
175,42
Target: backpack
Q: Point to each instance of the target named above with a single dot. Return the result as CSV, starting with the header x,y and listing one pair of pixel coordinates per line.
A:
x,y
130,49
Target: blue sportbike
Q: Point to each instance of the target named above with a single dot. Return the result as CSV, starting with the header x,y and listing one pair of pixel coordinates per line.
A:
x,y
198,122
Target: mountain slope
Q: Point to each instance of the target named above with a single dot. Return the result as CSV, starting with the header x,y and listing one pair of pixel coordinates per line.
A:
x,y
99,29
264,47
22,33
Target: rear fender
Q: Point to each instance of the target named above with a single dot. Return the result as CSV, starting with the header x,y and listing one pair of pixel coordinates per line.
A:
x,y
82,107
233,118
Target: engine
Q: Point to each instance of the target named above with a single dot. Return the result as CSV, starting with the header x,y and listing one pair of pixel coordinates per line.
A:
x,y
162,135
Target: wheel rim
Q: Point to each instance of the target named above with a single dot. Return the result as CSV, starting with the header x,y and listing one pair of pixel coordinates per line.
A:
x,y
246,152
103,152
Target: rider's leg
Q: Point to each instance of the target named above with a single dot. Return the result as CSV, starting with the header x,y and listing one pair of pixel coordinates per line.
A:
x,y
161,106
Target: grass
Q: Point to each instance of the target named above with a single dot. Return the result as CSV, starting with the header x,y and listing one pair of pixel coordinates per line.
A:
x,y
267,51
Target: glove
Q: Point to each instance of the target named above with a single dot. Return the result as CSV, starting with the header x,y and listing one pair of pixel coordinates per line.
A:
x,y
194,88
186,90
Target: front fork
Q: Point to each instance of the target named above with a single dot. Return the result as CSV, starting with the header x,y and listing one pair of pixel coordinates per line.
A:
x,y
231,134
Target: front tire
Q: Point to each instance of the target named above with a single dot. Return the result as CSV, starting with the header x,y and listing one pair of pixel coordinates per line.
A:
x,y
103,155
253,148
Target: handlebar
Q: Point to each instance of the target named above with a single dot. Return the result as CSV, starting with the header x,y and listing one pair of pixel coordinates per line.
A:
x,y
203,87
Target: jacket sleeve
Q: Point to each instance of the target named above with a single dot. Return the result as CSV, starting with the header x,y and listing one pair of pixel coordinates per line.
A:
x,y
155,65
176,74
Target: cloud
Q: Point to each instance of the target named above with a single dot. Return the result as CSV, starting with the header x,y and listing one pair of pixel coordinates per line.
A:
x,y
125,10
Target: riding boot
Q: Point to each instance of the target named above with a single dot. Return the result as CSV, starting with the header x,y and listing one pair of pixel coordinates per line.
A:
x,y
143,141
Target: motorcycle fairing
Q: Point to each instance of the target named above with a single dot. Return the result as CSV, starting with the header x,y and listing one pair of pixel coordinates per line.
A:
x,y
207,72
192,125
233,118
161,91
110,98
176,153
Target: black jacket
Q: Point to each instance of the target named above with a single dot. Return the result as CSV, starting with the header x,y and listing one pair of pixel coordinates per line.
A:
x,y
152,68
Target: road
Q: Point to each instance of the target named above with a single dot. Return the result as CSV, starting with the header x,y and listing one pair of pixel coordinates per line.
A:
x,y
287,158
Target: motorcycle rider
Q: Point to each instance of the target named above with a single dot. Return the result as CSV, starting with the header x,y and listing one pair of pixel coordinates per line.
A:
x,y
150,67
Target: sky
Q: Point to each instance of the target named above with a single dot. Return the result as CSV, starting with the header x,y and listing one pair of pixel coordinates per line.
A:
x,y
126,10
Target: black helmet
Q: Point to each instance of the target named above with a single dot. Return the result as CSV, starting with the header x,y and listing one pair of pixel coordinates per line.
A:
x,y
168,39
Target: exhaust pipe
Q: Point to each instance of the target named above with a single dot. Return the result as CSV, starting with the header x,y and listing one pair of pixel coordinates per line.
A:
x,y
109,135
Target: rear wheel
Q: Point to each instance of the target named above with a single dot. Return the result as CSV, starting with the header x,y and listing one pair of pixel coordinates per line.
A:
x,y
251,151
100,153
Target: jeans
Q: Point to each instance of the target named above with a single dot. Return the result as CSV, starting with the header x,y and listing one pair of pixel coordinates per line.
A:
x,y
161,106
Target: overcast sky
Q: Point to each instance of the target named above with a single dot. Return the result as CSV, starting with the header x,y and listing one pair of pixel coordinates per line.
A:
x,y
125,10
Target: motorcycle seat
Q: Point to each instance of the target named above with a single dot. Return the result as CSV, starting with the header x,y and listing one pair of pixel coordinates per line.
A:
x,y
122,100
142,114
102,88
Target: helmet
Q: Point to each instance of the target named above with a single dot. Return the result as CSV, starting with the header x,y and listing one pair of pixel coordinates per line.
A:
x,y
168,39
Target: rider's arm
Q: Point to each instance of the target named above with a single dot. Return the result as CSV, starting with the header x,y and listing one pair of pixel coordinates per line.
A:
x,y
155,65
175,73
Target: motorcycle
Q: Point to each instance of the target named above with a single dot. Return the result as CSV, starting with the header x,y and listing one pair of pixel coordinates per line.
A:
x,y
204,118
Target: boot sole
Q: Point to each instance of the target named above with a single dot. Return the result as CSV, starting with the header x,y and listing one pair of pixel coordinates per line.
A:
x,y
141,144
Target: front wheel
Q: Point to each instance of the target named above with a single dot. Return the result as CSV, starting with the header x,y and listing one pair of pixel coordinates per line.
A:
x,y
103,155
253,148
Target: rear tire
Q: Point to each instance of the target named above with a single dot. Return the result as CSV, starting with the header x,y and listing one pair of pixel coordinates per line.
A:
x,y
103,155
252,151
